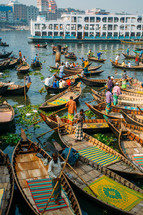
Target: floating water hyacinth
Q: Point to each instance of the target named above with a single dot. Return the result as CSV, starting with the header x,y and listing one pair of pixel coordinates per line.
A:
x,y
28,114
20,106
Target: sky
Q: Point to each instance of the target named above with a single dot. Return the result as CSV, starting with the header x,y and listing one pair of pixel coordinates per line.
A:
x,y
130,6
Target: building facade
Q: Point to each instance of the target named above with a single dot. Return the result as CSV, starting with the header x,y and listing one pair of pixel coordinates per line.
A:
x,y
89,27
48,6
32,13
6,14
19,11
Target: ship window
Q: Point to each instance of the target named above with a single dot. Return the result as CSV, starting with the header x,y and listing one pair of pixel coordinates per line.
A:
x,y
79,27
116,19
73,27
86,34
79,19
104,19
104,34
86,27
92,19
133,19
37,33
127,19
97,27
127,34
73,19
68,27
56,27
110,19
51,27
139,19
86,19
98,34
132,34
104,27
91,34
110,27
98,19
73,34
121,27
67,33
122,19
92,27
55,33
139,27
138,34
37,26
127,27
43,26
133,28
61,27
115,27
50,33
109,34
115,34
61,34
44,33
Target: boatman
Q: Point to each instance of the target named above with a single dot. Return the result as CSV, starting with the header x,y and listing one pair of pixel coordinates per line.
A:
x,y
86,63
28,79
54,170
117,59
71,105
99,55
36,60
109,100
61,68
116,92
49,80
79,117
20,56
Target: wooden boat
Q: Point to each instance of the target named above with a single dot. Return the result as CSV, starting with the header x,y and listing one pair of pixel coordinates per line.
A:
x,y
6,116
5,55
90,126
70,56
134,42
28,166
90,73
54,67
12,63
95,59
4,65
139,49
97,82
134,91
130,56
6,183
135,119
23,69
59,101
41,46
97,175
79,70
4,44
126,67
3,89
13,89
36,65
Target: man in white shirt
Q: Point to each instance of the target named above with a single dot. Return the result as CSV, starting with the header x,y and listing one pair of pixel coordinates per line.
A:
x,y
54,170
67,64
49,81
64,83
117,58
61,84
129,64
61,68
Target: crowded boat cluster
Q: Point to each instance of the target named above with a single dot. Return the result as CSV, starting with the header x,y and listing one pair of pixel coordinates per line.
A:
x,y
97,171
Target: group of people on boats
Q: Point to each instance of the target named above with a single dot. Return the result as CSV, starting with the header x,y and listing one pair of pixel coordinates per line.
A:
x,y
123,64
22,60
113,91
91,54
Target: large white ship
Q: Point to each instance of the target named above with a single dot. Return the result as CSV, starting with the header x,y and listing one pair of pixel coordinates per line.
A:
x,y
73,27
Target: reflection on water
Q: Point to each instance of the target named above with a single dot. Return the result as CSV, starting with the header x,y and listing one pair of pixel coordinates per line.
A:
x,y
18,41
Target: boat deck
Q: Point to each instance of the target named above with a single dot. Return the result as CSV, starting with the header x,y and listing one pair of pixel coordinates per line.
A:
x,y
30,167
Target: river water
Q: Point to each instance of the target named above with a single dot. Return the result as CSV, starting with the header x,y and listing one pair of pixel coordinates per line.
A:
x,y
18,40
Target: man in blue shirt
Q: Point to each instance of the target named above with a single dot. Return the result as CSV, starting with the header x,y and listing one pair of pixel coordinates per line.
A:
x,y
36,59
55,84
73,157
99,55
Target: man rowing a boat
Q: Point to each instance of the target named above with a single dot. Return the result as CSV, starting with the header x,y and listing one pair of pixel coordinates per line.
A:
x,y
54,170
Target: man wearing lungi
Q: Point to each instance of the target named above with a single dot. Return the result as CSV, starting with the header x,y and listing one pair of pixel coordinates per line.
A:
x,y
79,117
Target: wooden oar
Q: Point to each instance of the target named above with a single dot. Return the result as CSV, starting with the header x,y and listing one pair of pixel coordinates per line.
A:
x,y
24,89
35,123
101,88
140,109
79,176
58,111
57,181
48,132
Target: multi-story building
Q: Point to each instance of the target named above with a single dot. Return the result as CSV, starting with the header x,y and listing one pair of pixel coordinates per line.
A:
x,y
89,27
48,6
6,14
32,13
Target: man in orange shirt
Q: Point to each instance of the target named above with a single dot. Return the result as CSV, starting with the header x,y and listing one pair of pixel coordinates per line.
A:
x,y
71,109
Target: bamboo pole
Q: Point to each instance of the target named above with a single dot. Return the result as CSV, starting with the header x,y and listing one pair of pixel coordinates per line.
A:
x,y
66,161
79,176
140,109
24,90
35,123
58,111
48,132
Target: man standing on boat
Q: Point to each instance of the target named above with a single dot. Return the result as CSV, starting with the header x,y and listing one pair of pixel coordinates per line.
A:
x,y
128,51
71,105
99,55
61,68
28,79
109,100
49,80
116,92
124,80
117,59
79,117
54,170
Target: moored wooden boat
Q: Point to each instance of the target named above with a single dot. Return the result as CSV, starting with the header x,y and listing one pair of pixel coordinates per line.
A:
x,y
4,65
130,56
139,49
3,89
59,101
6,183
12,63
79,70
140,67
28,166
70,56
6,116
95,59
23,69
36,65
89,126
96,82
41,46
135,119
96,176
5,55
14,89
